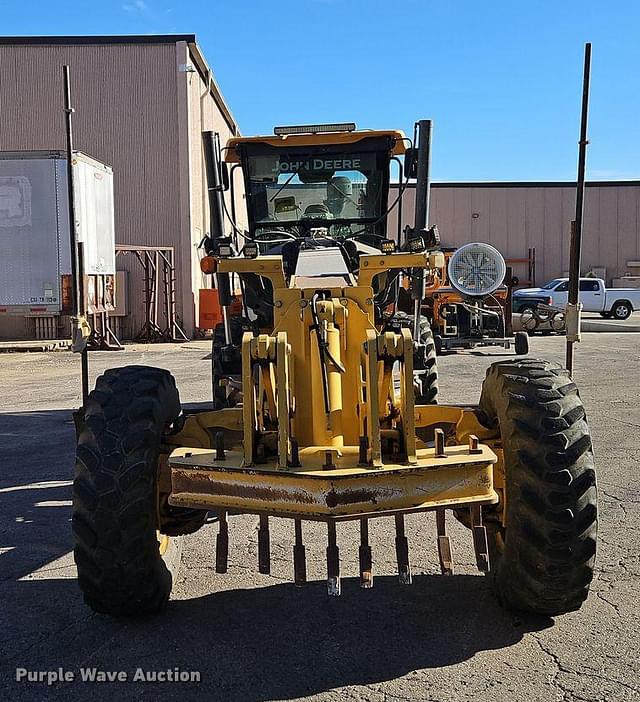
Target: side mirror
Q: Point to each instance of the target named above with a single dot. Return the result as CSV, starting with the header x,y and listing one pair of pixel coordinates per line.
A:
x,y
410,168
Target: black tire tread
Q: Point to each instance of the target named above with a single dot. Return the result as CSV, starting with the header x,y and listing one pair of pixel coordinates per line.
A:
x,y
427,391
120,570
551,521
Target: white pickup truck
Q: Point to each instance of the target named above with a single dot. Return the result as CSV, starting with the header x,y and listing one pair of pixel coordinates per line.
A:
x,y
615,303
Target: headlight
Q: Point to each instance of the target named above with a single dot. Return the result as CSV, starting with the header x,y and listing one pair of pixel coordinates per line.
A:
x,y
477,269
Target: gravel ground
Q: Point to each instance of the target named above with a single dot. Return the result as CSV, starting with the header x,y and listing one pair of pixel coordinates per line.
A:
x,y
255,637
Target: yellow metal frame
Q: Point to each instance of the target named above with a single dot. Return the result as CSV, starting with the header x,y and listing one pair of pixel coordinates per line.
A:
x,y
328,428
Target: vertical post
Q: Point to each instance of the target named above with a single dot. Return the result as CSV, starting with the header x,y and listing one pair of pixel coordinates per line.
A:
x,y
573,307
421,220
506,318
77,272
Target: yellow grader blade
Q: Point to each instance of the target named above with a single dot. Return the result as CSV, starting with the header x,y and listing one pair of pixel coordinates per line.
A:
x,y
202,480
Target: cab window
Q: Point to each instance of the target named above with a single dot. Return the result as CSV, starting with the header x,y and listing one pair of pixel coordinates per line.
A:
x,y
563,287
589,286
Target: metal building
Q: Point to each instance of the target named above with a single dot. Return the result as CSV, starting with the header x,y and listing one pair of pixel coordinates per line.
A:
x,y
518,217
141,105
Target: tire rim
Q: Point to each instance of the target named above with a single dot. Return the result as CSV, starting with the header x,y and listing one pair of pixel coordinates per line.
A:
x,y
528,320
621,311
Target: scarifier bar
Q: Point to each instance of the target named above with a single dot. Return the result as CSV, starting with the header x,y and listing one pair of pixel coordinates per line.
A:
x,y
456,480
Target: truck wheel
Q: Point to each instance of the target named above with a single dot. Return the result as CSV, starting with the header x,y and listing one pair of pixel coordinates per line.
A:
x,y
125,566
542,559
521,343
621,310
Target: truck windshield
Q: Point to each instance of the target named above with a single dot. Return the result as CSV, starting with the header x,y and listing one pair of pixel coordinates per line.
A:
x,y
552,284
343,191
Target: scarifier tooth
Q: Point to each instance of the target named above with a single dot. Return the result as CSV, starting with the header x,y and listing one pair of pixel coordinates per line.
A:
x,y
299,556
363,451
444,544
222,544
402,552
264,548
480,543
333,562
364,556
220,454
438,435
295,453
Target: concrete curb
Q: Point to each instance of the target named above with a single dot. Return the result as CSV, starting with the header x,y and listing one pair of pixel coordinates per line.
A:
x,y
592,325
595,325
34,346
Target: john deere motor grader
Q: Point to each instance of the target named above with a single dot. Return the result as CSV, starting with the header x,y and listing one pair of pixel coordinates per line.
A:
x,y
326,402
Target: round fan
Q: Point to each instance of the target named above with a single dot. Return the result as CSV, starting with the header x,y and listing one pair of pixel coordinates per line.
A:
x,y
477,269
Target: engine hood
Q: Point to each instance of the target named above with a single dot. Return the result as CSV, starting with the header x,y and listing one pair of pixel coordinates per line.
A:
x,y
531,292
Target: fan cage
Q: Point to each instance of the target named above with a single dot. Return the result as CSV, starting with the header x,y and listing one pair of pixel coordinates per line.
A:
x,y
477,269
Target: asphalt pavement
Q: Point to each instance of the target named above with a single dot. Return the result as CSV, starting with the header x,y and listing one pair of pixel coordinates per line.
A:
x,y
251,637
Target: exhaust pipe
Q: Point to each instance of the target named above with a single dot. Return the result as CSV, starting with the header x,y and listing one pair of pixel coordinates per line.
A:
x,y
423,194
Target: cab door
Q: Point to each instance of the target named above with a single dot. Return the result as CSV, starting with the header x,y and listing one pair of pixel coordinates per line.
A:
x,y
560,294
591,295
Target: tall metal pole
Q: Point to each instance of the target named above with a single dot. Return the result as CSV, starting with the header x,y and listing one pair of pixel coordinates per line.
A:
x,y
421,220
77,272
573,307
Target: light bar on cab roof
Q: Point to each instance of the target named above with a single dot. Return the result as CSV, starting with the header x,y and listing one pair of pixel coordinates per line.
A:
x,y
315,128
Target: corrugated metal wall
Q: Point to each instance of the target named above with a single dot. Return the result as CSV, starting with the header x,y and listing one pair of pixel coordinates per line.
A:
x,y
124,97
139,108
518,217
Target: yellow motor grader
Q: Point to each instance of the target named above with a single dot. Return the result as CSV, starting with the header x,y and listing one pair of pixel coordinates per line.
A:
x,y
325,400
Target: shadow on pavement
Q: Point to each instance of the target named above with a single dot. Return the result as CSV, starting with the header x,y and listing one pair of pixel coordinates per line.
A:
x,y
273,642
36,469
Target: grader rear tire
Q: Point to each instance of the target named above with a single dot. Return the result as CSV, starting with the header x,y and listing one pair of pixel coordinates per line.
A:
x,y
123,567
428,383
543,558
426,380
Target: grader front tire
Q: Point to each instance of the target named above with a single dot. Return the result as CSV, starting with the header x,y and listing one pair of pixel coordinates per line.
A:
x,y
543,558
124,569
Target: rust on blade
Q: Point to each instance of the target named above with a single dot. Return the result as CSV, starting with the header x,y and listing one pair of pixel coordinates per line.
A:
x,y
352,497
199,482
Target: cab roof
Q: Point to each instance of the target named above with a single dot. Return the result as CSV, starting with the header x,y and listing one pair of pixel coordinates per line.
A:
x,y
316,139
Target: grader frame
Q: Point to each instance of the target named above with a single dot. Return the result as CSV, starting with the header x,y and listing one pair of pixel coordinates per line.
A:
x,y
324,409
348,450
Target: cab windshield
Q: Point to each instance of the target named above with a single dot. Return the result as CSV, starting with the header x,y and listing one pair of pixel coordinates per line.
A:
x,y
342,192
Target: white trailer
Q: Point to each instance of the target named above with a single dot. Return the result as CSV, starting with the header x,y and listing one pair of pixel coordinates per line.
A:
x,y
35,264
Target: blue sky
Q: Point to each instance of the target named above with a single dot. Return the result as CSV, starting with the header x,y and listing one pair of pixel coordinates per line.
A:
x,y
501,80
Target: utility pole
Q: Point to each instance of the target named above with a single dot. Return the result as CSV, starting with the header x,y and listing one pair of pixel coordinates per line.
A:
x,y
80,330
574,307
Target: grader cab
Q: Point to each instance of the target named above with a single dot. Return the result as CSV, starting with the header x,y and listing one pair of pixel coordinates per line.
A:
x,y
325,401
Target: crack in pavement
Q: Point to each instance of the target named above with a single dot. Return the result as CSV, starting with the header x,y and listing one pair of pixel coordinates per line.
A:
x,y
560,668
